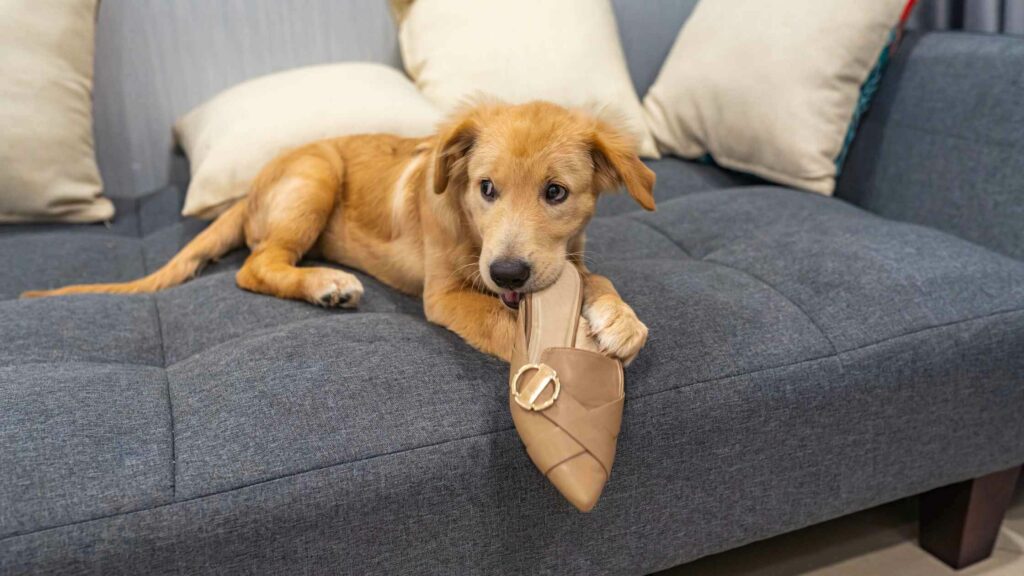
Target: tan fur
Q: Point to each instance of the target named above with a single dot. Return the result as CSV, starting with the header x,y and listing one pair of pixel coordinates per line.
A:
x,y
409,212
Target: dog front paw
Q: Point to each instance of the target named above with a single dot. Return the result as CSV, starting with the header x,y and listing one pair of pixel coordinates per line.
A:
x,y
619,333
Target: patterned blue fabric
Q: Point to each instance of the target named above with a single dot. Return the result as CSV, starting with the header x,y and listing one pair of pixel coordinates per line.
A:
x,y
867,94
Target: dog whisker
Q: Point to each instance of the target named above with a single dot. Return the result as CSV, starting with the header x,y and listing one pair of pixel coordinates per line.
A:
x,y
582,257
459,270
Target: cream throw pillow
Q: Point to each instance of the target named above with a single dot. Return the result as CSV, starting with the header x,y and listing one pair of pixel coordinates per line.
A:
x,y
47,158
769,88
231,137
564,51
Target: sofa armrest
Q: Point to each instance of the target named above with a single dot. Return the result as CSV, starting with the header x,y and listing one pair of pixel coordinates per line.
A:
x,y
943,143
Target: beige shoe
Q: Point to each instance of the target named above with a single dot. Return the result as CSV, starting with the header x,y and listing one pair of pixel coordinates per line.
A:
x,y
566,398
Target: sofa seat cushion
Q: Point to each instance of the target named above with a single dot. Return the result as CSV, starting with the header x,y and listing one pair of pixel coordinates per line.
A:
x,y
806,359
150,229
858,279
677,177
51,255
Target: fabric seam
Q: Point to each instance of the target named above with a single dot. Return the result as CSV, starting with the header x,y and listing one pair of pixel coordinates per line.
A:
x,y
170,402
792,303
662,233
254,334
504,430
835,351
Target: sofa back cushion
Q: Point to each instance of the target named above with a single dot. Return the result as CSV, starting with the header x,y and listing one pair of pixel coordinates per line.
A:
x,y
157,60
943,143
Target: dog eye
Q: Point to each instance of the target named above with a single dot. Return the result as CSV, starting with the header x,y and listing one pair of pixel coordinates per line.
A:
x,y
487,190
555,194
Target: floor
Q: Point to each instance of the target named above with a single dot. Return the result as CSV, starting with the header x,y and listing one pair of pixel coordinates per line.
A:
x,y
878,542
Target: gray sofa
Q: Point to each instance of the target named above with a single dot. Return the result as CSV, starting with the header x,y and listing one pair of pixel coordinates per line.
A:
x,y
809,357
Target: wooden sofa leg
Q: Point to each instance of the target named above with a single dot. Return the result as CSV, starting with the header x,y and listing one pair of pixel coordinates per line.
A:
x,y
960,522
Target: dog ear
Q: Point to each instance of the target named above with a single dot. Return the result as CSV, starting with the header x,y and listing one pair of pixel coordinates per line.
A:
x,y
616,164
454,142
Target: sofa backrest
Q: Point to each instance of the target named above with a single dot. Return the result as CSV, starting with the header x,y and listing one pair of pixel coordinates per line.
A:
x,y
156,60
648,28
943,142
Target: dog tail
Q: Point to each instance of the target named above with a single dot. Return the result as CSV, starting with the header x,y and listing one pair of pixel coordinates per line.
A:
x,y
225,234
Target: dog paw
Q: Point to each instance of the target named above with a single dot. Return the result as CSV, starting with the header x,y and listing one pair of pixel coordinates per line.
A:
x,y
335,289
619,333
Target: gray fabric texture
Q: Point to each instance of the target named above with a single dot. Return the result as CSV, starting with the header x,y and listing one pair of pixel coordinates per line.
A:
x,y
988,16
677,177
807,359
647,31
943,142
81,440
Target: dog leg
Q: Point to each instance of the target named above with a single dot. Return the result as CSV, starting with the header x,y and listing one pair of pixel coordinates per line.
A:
x,y
479,319
619,333
272,270
290,209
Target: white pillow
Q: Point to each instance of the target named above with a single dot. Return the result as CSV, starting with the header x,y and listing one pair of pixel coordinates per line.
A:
x,y
769,88
564,51
47,157
231,137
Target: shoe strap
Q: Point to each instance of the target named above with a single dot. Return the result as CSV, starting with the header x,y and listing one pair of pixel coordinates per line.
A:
x,y
553,315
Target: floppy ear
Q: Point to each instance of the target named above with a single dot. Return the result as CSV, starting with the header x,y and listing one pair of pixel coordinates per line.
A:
x,y
616,164
454,142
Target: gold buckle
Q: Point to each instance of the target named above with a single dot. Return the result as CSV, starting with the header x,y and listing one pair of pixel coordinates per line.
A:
x,y
549,377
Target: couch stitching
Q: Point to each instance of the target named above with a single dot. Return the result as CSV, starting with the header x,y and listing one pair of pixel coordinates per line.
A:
x,y
167,389
838,355
288,325
254,484
504,430
90,362
665,235
256,334
145,257
784,296
753,276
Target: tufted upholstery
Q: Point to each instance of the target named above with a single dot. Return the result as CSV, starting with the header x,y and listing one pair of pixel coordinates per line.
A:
x,y
806,359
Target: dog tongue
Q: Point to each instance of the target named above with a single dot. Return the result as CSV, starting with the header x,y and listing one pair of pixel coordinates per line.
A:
x,y
511,299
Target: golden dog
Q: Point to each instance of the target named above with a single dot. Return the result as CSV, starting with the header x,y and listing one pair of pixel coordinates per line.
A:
x,y
495,204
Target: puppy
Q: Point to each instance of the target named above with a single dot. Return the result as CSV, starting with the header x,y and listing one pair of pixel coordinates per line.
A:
x,y
490,208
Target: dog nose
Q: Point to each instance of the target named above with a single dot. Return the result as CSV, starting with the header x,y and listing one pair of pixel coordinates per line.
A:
x,y
510,274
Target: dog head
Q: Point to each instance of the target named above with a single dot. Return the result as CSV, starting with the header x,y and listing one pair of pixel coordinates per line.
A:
x,y
526,179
